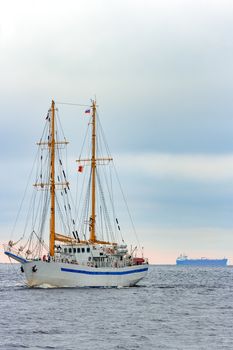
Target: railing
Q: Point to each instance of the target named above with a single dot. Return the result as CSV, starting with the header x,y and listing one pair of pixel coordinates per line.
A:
x,y
100,264
107,263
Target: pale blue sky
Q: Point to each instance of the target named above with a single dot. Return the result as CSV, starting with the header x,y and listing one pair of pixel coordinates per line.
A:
x,y
163,75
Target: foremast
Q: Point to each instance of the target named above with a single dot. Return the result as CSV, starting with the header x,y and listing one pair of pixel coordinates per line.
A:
x,y
53,236
52,185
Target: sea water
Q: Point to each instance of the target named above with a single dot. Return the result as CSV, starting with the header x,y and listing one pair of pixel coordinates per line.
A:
x,y
172,308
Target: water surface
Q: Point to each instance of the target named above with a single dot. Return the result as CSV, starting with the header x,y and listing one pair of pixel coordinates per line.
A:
x,y
173,308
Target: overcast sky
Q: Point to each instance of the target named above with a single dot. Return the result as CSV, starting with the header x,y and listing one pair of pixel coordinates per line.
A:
x,y
162,72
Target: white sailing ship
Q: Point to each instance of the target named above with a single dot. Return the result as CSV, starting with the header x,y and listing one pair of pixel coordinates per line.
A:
x,y
88,253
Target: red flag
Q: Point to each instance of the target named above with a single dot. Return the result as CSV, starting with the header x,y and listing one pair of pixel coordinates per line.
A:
x,y
80,168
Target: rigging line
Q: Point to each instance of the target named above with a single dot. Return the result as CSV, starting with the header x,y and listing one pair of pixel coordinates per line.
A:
x,y
68,198
24,195
72,210
112,201
127,207
66,212
101,223
85,209
25,245
44,198
77,208
105,213
41,241
44,212
46,126
32,209
71,104
108,221
65,200
85,189
82,199
28,216
39,208
85,137
102,145
101,192
69,212
110,194
58,122
63,217
108,150
103,136
29,179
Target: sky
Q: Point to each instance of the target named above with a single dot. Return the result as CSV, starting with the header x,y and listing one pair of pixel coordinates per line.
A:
x,y
162,73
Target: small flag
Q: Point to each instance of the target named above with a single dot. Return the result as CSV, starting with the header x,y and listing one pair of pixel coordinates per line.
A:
x,y
87,111
80,168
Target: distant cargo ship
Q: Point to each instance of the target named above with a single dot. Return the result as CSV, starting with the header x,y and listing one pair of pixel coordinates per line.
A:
x,y
185,261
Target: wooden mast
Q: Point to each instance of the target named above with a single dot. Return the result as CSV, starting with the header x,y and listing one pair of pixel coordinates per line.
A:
x,y
52,181
93,174
93,162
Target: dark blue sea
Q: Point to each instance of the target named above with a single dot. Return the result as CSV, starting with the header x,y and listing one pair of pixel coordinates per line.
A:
x,y
173,308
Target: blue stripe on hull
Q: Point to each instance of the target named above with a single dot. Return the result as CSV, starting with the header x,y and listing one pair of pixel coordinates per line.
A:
x,y
85,272
16,257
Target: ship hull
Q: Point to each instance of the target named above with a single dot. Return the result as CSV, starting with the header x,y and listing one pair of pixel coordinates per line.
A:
x,y
55,274
202,262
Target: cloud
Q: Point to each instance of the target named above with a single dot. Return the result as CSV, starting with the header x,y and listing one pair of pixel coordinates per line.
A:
x,y
195,167
163,67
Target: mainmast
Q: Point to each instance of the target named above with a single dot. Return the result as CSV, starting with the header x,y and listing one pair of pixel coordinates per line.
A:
x,y
93,174
52,181
93,162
